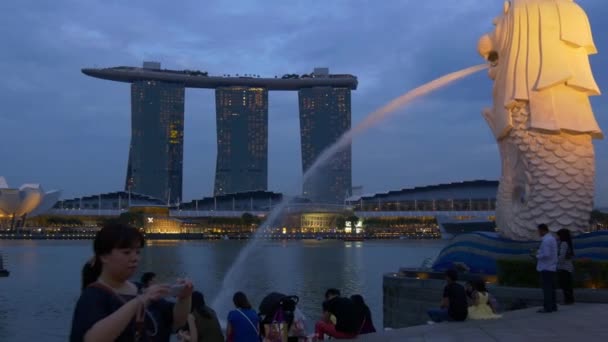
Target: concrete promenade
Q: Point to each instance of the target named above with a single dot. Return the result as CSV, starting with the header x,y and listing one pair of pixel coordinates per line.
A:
x,y
580,322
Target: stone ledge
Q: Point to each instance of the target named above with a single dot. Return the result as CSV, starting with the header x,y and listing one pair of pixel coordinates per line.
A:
x,y
570,323
406,300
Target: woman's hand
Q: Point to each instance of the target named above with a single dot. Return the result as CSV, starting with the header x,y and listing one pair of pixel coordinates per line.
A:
x,y
187,290
154,293
183,336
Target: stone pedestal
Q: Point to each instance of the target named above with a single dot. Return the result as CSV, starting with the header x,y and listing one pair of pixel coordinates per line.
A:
x,y
406,300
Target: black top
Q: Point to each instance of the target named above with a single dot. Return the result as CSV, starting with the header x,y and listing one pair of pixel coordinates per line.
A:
x,y
97,303
348,316
457,297
208,326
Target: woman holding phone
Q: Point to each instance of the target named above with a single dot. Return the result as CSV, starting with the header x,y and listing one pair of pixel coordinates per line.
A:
x,y
110,307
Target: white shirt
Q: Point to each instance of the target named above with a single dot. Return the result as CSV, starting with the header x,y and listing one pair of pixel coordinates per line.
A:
x,y
547,254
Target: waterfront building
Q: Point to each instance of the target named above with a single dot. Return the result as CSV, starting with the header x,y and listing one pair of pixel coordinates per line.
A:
x,y
250,201
325,115
17,204
242,140
451,209
155,166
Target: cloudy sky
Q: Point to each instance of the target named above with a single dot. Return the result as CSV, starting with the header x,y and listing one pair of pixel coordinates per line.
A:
x,y
68,131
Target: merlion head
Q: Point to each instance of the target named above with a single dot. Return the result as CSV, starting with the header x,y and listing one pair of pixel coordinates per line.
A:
x,y
539,51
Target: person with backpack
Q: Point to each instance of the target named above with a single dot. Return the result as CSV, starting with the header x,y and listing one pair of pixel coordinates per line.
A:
x,y
280,319
565,266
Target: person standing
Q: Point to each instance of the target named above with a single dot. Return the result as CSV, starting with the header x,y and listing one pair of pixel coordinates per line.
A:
x,y
546,265
565,267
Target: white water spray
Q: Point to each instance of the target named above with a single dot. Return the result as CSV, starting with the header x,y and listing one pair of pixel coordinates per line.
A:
x,y
231,282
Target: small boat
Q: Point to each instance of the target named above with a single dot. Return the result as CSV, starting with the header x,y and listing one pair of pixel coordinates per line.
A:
x,y
354,238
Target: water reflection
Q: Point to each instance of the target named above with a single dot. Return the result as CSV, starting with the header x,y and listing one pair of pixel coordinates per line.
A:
x,y
164,259
45,275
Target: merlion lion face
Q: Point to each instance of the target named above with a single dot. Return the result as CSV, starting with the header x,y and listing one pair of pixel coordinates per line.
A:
x,y
489,44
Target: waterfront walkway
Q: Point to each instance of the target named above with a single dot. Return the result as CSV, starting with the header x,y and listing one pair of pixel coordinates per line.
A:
x,y
580,322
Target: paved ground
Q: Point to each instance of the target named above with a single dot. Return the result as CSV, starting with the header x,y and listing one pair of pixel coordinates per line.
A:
x,y
577,323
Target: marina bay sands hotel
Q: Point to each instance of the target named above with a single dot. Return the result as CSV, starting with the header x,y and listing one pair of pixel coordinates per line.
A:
x,y
155,166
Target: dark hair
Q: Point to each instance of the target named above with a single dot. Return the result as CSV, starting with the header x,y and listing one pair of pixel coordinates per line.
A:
x,y
452,274
199,305
332,292
146,278
543,227
565,236
479,285
108,238
357,299
240,301
360,303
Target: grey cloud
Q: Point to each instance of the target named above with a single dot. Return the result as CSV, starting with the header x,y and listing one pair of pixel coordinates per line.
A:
x,y
78,127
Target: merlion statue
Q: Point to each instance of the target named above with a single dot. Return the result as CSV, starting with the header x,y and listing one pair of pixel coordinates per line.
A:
x,y
542,117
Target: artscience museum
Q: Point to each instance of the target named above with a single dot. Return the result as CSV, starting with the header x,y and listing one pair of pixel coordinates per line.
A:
x,y
16,204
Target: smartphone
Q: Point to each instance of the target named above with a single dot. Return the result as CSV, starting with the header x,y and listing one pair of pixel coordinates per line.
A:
x,y
176,289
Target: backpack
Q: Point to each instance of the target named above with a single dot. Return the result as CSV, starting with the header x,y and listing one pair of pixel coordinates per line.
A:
x,y
277,313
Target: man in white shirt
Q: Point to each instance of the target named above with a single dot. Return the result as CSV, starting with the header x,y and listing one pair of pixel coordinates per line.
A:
x,y
546,265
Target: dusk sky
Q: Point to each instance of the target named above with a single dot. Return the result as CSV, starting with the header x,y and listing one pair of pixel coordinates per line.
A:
x,y
68,131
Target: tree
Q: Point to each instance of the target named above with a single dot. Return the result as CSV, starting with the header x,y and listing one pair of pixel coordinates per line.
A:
x,y
340,222
353,219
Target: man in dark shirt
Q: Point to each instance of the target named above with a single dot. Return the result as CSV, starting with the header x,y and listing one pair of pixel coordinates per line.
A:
x,y
454,303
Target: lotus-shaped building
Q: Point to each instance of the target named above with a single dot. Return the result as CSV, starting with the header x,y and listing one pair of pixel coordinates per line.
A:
x,y
26,201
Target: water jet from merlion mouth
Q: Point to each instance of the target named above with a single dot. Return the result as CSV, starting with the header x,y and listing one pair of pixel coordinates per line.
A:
x,y
231,282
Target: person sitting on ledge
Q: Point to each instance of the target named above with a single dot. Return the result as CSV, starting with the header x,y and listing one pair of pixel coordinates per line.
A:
x,y
481,307
367,327
348,319
454,302
332,293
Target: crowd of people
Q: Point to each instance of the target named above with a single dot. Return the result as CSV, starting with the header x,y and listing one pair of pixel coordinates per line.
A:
x,y
553,263
111,307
